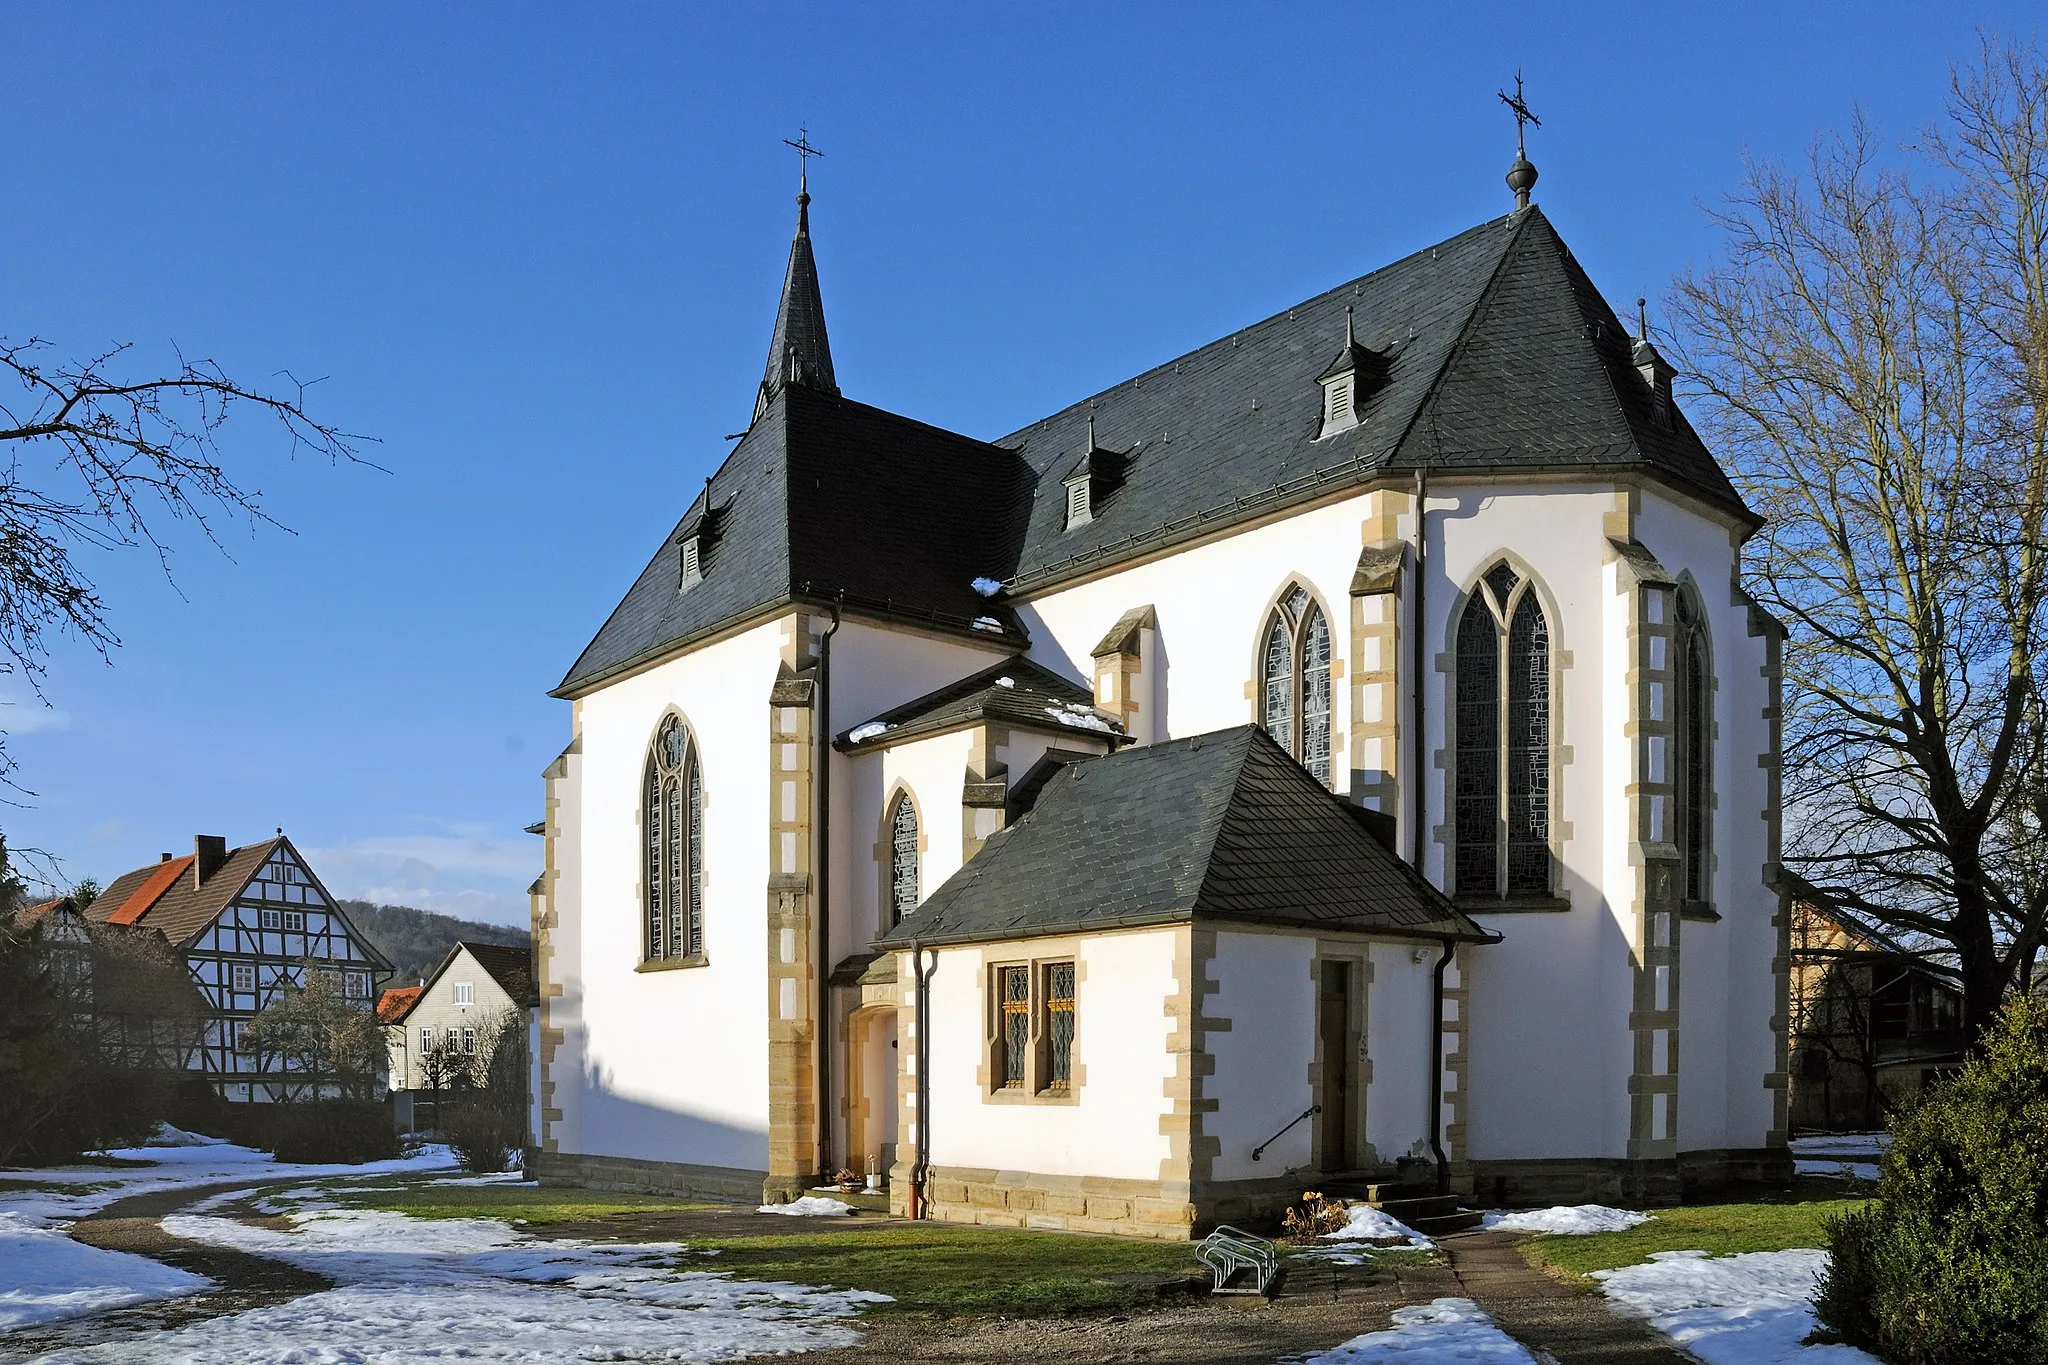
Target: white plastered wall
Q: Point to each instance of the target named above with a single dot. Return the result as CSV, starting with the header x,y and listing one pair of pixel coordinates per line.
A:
x,y
1112,1127
931,771
1727,995
649,1084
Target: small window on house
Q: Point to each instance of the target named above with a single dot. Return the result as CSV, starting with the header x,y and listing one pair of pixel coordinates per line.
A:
x,y
1059,1027
245,977
1013,1002
270,919
469,1042
1079,512
426,1040
358,985
465,993
240,1036
294,920
693,564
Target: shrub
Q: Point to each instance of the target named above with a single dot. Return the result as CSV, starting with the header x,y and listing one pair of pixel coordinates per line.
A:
x,y
325,1132
1950,1265
486,1136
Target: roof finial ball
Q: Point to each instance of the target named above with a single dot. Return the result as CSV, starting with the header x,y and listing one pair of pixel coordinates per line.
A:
x,y
1521,175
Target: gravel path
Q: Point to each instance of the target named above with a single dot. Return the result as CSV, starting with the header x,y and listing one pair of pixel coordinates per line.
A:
x,y
1572,1326
242,1281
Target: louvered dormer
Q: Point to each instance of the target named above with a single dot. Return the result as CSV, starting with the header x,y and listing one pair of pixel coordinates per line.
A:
x,y
1347,381
1099,473
696,541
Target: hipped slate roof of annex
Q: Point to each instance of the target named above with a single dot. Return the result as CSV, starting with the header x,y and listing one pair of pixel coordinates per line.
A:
x,y
1222,827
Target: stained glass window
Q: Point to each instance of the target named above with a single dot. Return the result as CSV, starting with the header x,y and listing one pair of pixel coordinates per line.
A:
x,y
902,860
1014,1000
1695,754
1478,773
672,812
1503,718
1295,691
1315,695
1279,709
1059,1026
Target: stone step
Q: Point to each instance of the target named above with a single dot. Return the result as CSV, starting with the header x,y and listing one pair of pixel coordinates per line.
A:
x,y
1444,1224
1427,1206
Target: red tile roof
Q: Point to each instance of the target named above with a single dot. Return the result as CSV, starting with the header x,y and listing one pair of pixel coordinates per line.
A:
x,y
160,879
30,914
393,1003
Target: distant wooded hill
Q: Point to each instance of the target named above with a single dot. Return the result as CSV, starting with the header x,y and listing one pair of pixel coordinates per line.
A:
x,y
417,940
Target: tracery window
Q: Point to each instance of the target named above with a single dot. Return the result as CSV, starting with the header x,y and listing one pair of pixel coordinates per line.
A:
x,y
902,860
1502,793
1294,696
1694,717
672,821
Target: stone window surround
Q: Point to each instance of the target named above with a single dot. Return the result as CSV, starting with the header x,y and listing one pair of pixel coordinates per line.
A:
x,y
1042,955
1444,835
700,958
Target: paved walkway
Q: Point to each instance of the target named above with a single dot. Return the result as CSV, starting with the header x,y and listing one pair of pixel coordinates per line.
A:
x,y
1567,1325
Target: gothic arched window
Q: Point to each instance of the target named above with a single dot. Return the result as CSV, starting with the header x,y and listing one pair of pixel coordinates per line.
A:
x,y
902,860
1294,692
672,818
1502,796
1695,761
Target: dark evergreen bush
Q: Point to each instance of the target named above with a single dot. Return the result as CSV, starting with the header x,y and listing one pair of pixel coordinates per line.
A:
x,y
332,1131
1949,1266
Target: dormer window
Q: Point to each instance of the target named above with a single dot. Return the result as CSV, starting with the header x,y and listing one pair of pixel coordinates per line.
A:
x,y
1079,511
693,562
1343,383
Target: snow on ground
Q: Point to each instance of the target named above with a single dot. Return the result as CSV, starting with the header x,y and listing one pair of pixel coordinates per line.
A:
x,y
1573,1220
1445,1332
1751,1309
1837,1170
474,1289
810,1206
1365,1230
1841,1144
44,1276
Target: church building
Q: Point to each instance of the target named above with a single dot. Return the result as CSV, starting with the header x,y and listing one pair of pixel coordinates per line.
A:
x,y
1344,751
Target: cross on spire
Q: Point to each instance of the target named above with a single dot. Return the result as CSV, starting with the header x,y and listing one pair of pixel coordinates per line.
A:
x,y
804,152
1521,175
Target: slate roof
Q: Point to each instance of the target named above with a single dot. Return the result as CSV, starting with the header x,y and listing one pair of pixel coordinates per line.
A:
x,y
1223,828
1491,353
1014,692
826,496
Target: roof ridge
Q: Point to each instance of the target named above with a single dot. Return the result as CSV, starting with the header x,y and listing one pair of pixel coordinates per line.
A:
x,y
1452,353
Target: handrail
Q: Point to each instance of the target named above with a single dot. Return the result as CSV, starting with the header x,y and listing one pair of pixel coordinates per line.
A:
x,y
1260,1150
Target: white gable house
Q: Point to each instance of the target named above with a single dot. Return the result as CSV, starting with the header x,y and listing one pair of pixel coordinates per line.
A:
x,y
1343,749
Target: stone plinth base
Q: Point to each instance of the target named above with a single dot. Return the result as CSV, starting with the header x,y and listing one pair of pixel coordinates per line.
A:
x,y
725,1183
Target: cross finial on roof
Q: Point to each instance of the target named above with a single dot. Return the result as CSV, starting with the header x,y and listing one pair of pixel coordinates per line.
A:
x,y
804,152
1521,175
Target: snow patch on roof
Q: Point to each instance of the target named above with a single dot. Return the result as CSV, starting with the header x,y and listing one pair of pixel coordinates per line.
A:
x,y
860,734
987,587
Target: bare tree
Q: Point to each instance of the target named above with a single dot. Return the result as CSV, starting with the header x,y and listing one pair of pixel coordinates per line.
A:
x,y
1873,355
91,458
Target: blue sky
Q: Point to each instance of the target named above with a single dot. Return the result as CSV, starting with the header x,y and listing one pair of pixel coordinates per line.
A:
x,y
535,249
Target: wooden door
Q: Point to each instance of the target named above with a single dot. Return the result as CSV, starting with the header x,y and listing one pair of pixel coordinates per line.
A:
x,y
1333,1033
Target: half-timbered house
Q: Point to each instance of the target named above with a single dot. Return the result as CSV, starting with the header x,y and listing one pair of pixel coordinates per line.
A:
x,y
247,921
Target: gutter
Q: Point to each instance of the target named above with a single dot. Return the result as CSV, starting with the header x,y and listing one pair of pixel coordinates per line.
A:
x,y
921,1160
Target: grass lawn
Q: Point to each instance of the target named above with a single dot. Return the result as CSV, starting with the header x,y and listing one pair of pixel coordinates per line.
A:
x,y
521,1203
1717,1229
946,1270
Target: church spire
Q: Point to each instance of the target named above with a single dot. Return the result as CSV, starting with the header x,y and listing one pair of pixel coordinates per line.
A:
x,y
799,352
